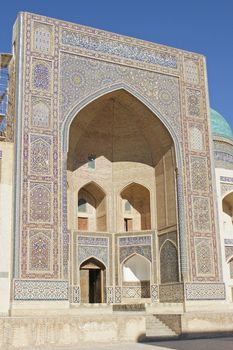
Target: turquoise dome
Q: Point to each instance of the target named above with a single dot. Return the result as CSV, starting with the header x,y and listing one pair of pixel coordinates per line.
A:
x,y
220,126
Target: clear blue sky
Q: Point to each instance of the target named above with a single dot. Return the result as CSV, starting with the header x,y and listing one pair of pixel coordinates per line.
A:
x,y
203,26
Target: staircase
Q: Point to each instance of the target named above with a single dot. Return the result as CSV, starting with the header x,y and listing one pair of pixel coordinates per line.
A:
x,y
157,329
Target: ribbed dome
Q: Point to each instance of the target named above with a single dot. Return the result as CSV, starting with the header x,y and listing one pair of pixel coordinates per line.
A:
x,y
220,126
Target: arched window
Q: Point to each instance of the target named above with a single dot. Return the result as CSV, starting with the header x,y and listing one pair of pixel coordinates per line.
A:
x,y
136,208
91,208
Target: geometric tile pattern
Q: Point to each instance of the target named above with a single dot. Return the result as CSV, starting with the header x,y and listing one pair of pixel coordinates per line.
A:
x,y
154,293
60,71
201,213
96,247
199,174
42,41
191,71
40,250
40,202
40,290
204,253
194,102
41,113
77,82
196,138
117,295
75,294
110,295
169,263
137,292
171,293
205,291
125,252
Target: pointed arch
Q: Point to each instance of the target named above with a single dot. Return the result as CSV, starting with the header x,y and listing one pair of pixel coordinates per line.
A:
x,y
138,197
92,208
114,87
169,271
136,268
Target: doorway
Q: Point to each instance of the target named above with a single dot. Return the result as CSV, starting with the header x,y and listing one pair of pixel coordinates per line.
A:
x,y
92,281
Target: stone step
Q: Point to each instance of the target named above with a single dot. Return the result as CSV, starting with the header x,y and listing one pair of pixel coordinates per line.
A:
x,y
157,329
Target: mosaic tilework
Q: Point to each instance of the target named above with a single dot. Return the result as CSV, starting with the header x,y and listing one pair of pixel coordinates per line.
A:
x,y
41,113
134,240
40,250
42,37
199,174
205,291
229,251
204,252
191,71
40,290
226,179
193,102
40,202
142,291
94,241
201,210
223,155
75,294
96,247
171,236
41,75
154,293
110,295
81,77
117,48
135,244
125,252
196,141
77,82
228,241
169,263
173,293
226,188
117,295
40,154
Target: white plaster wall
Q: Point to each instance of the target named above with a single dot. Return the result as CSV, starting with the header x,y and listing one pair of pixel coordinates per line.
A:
x,y
6,179
226,231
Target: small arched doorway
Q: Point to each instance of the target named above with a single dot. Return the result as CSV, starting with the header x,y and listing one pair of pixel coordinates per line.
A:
x,y
92,281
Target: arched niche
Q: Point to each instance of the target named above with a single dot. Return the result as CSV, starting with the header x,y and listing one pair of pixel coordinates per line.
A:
x,y
227,213
169,270
136,276
135,208
91,208
116,140
136,269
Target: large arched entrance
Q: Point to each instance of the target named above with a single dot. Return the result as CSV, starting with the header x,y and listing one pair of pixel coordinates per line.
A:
x,y
121,173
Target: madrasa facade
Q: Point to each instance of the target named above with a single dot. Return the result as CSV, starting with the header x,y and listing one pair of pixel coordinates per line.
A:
x,y
116,184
